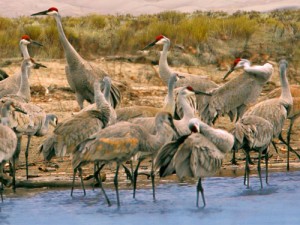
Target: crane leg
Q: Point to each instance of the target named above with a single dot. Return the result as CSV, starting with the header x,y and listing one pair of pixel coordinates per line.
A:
x,y
97,169
267,165
26,155
289,147
73,182
135,175
99,180
259,169
233,159
288,144
200,189
14,158
1,191
128,173
1,187
116,183
247,170
81,180
152,174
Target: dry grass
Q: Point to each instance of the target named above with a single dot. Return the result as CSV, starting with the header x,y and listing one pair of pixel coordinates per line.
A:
x,y
219,34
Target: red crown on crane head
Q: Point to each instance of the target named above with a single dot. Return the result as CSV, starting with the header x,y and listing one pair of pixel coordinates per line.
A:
x,y
52,9
159,37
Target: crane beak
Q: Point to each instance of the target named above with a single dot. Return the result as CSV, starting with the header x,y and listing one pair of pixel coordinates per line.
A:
x,y
149,45
36,43
229,72
202,93
180,76
40,13
20,110
38,65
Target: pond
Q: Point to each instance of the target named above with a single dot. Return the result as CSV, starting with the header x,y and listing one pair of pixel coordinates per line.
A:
x,y
228,202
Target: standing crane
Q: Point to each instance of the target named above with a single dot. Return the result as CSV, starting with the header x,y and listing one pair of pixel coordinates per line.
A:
x,y
198,154
81,74
35,122
8,141
11,85
181,125
253,133
238,93
276,110
197,82
294,113
72,131
120,142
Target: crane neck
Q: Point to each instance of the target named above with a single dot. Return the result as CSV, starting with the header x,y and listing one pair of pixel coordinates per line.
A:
x,y
106,92
169,105
164,134
286,95
222,139
24,90
69,50
164,69
24,51
188,111
45,126
99,97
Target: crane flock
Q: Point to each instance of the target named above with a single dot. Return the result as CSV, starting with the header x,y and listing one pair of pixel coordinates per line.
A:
x,y
104,132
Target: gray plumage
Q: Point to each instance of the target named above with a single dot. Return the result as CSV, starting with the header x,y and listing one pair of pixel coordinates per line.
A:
x,y
72,131
121,141
99,99
235,95
8,138
276,110
35,122
8,141
253,133
182,124
197,82
81,74
131,112
198,154
11,85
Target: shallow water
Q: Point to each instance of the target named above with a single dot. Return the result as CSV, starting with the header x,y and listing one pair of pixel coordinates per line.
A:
x,y
228,202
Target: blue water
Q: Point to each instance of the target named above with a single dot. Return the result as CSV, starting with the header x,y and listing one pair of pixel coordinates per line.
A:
x,y
228,202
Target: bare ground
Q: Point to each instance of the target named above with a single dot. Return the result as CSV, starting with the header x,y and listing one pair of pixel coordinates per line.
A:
x,y
50,90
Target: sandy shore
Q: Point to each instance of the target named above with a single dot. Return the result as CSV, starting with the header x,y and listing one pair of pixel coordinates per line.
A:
x,y
144,87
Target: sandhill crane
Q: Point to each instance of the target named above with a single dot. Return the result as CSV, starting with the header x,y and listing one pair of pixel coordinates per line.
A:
x,y
11,85
81,74
121,141
197,82
181,125
294,113
238,93
198,154
99,99
276,110
72,131
8,141
253,133
127,113
35,122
